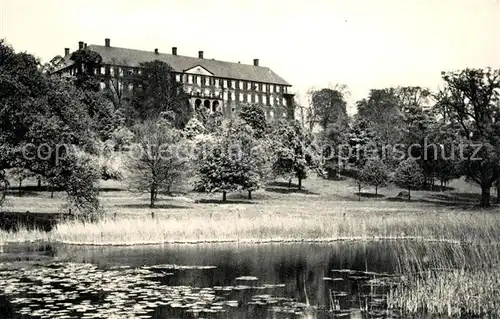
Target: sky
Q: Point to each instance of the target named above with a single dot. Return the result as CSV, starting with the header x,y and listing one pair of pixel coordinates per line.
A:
x,y
364,44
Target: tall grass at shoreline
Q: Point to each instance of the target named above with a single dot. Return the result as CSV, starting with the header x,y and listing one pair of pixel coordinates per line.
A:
x,y
455,280
462,227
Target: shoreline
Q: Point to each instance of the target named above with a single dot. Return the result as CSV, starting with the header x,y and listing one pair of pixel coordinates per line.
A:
x,y
246,241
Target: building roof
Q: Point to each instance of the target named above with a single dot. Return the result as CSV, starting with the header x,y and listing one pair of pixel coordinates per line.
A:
x,y
180,63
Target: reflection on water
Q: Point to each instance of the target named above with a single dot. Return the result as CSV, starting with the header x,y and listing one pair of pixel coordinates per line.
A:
x,y
194,281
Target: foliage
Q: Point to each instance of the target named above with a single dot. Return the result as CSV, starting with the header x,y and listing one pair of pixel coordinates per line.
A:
x,y
328,106
375,173
334,138
86,62
294,151
193,128
121,137
470,99
253,153
41,118
409,175
382,110
157,94
211,121
235,160
158,160
254,115
364,143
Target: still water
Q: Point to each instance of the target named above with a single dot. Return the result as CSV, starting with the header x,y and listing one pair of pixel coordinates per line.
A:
x,y
340,280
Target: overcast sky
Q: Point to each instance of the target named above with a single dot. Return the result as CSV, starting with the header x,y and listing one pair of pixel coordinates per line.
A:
x,y
362,43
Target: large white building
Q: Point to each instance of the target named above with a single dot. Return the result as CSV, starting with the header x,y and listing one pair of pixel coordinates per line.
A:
x,y
210,83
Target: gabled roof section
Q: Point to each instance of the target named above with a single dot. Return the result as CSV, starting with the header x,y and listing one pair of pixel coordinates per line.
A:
x,y
180,63
198,69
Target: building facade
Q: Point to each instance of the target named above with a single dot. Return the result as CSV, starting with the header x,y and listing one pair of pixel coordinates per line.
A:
x,y
211,84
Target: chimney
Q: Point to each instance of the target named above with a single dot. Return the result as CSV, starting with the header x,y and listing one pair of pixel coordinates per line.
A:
x,y
66,51
85,45
80,45
256,62
200,54
156,51
107,42
174,50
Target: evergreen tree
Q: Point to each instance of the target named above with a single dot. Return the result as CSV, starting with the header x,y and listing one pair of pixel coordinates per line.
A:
x,y
409,175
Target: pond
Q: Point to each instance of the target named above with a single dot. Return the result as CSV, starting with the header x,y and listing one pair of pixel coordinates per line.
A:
x,y
345,279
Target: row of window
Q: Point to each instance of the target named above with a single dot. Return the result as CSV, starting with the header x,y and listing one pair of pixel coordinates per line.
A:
x,y
230,84
214,106
201,80
242,97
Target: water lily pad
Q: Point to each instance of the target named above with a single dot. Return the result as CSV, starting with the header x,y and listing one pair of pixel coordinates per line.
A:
x,y
247,278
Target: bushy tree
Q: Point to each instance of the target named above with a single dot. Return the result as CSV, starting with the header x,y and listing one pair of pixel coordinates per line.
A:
x,y
294,152
335,135
121,137
39,115
470,101
364,145
158,160
254,115
409,175
328,106
254,156
193,128
383,113
375,173
234,161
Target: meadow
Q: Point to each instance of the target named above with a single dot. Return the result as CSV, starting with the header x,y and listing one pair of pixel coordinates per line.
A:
x,y
464,281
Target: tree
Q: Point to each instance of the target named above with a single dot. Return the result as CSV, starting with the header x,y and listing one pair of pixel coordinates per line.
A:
x,y
193,128
328,106
335,136
364,144
235,160
254,115
157,94
254,156
4,185
470,99
116,85
158,160
382,111
375,173
20,174
409,175
294,151
39,117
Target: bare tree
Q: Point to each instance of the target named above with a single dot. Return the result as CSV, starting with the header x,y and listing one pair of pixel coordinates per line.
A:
x,y
158,160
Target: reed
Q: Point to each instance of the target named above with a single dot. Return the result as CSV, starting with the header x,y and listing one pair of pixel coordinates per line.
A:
x,y
449,280
235,226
